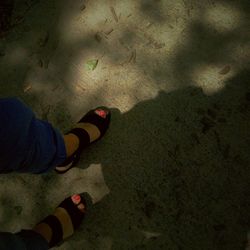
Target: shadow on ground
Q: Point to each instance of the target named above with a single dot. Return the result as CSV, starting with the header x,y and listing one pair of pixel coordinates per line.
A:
x,y
176,166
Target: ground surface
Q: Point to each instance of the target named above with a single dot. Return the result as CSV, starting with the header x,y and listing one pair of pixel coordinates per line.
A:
x,y
173,170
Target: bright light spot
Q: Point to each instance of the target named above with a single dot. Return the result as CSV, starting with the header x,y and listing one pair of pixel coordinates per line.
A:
x,y
117,81
37,80
75,23
223,17
211,78
124,94
124,102
90,180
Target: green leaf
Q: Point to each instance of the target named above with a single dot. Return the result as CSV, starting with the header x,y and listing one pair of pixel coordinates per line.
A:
x,y
91,64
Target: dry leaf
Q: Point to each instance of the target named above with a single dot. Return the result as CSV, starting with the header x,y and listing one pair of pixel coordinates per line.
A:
x,y
27,87
225,70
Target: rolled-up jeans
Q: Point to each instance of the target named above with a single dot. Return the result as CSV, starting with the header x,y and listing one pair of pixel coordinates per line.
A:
x,y
27,144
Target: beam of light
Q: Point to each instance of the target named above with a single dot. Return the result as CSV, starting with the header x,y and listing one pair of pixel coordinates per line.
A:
x,y
223,17
211,78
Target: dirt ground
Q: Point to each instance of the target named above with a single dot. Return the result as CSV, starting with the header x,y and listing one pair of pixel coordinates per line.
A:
x,y
172,172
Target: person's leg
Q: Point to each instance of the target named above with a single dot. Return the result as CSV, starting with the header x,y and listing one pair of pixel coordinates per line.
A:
x,y
72,141
50,148
88,130
15,120
28,144
52,230
65,220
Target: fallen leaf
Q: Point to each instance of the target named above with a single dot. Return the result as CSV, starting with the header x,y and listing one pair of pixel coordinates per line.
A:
x,y
91,64
225,70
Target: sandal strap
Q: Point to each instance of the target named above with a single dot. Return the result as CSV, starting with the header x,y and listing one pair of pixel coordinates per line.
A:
x,y
95,119
75,214
84,139
56,227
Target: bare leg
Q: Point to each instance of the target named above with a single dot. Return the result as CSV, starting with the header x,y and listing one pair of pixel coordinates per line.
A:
x,y
65,220
72,142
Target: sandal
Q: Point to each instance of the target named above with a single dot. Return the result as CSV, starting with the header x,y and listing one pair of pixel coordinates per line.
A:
x,y
70,205
100,117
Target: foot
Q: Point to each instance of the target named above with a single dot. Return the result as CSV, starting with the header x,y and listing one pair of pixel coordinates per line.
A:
x,y
65,220
88,130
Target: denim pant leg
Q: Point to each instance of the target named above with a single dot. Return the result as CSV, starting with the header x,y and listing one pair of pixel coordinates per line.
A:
x,y
45,148
27,144
24,240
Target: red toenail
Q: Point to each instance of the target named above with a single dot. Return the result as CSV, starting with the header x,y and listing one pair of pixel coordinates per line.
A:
x,y
101,113
76,198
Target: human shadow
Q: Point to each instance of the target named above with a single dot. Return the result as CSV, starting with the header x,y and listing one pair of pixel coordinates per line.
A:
x,y
177,168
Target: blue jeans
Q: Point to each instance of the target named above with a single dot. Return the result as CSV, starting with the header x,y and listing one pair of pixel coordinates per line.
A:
x,y
27,144
25,240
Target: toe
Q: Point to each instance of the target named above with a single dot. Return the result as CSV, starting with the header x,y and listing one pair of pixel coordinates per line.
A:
x,y
76,198
101,112
81,207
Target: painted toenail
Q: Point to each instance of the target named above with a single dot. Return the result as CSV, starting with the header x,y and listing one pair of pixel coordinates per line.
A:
x,y
101,113
76,198
81,207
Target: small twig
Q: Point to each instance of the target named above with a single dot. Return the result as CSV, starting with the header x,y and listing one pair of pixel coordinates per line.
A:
x,y
114,13
27,87
109,31
56,87
132,57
